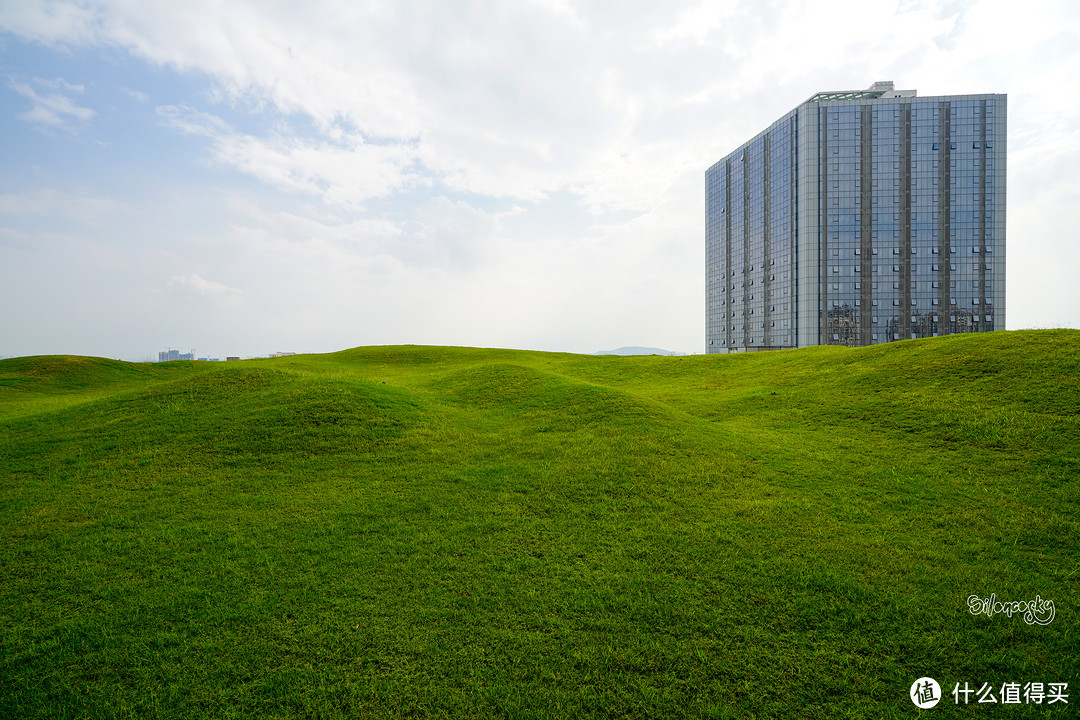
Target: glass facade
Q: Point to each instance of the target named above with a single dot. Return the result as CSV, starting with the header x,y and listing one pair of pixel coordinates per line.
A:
x,y
750,243
874,217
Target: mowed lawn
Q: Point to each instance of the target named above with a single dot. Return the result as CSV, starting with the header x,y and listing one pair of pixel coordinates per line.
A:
x,y
455,532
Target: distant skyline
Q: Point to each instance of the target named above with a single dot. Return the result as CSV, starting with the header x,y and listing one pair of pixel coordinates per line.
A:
x,y
245,178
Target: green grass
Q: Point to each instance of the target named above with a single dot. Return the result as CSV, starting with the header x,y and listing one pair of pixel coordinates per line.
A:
x,y
456,532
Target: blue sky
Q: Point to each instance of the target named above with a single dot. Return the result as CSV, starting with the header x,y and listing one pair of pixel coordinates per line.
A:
x,y
247,177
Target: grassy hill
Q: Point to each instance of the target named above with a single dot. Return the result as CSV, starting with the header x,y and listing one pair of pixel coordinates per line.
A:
x,y
456,532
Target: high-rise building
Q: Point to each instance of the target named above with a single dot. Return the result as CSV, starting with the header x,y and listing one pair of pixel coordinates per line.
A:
x,y
860,217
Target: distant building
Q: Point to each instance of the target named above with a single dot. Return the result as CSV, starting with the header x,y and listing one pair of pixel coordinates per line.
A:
x,y
860,217
167,355
232,357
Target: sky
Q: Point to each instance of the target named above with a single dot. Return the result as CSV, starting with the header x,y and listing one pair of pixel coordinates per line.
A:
x,y
254,176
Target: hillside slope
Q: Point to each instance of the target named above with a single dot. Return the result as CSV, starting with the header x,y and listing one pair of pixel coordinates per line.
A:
x,y
456,532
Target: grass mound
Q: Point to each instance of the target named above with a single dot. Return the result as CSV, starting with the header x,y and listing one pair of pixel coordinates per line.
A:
x,y
64,373
547,402
252,417
458,532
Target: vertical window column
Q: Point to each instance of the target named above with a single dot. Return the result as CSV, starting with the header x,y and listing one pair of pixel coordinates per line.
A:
x,y
744,278
944,276
866,227
905,222
986,326
825,337
728,320
792,301
767,237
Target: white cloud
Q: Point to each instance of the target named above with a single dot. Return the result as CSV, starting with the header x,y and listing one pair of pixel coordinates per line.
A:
x,y
343,173
316,224
81,207
443,234
49,21
13,238
194,285
53,109
137,94
697,22
345,170
452,235
565,10
498,99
